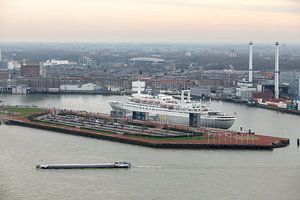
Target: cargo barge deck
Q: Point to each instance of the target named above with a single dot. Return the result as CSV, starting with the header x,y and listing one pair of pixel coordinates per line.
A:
x,y
123,164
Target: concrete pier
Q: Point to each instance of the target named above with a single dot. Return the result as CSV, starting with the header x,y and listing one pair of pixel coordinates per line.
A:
x,y
234,140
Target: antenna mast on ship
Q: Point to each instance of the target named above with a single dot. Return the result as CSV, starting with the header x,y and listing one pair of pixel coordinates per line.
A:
x,y
139,86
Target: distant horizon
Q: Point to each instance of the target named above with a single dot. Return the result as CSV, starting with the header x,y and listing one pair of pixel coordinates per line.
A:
x,y
148,42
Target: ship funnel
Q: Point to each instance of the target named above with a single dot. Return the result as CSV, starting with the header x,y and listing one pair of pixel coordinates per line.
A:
x,y
139,87
188,92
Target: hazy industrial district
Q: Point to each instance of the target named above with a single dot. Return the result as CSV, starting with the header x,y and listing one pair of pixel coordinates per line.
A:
x,y
267,75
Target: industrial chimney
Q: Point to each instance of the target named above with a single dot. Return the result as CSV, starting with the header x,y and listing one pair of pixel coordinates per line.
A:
x,y
276,88
250,62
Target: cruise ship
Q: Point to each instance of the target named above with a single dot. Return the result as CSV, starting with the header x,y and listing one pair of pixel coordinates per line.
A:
x,y
167,109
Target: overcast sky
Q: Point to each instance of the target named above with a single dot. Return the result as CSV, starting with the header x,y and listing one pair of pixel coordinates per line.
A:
x,y
149,20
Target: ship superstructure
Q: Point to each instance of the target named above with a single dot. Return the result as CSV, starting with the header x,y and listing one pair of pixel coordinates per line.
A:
x,y
168,109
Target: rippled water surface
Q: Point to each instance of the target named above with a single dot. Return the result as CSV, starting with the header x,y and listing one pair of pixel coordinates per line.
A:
x,y
156,173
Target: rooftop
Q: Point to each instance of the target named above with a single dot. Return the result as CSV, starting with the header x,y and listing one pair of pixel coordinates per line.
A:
x,y
147,59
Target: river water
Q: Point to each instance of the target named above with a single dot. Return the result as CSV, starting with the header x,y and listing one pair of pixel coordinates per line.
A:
x,y
156,173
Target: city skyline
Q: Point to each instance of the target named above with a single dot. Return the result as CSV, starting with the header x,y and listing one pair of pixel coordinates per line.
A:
x,y
149,21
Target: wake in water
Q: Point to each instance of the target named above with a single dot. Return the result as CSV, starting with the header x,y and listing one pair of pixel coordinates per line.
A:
x,y
158,167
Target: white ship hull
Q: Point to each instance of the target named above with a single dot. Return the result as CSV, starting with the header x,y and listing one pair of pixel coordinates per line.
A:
x,y
173,116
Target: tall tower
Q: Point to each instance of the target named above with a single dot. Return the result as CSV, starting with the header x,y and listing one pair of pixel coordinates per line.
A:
x,y
250,62
276,88
0,56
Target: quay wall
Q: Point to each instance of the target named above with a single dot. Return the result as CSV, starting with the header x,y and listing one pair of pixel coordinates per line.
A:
x,y
146,142
282,110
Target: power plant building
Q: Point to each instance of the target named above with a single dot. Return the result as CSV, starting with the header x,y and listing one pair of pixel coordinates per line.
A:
x,y
246,89
292,80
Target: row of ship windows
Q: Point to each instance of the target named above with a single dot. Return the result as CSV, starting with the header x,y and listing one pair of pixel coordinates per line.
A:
x,y
150,108
157,109
144,105
144,108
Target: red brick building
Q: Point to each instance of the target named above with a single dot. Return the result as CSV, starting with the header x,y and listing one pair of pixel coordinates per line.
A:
x,y
30,70
4,74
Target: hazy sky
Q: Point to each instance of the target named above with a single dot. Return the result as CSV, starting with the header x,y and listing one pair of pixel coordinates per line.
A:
x,y
149,20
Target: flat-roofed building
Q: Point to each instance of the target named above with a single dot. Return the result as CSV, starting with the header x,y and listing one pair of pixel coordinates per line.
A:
x,y
4,74
30,70
291,79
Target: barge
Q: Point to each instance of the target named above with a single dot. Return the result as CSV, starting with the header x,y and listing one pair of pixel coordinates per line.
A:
x,y
123,164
